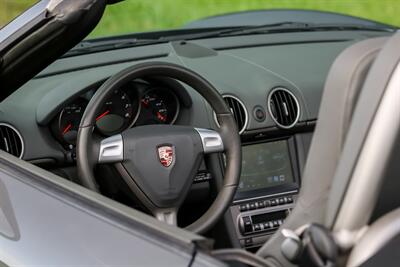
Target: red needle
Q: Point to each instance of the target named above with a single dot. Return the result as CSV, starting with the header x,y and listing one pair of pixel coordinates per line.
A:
x,y
66,129
161,117
145,103
102,115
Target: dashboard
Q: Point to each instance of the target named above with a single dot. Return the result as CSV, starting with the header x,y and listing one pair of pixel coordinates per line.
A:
x,y
273,84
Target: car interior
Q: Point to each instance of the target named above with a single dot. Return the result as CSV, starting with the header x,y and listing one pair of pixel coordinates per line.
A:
x,y
278,142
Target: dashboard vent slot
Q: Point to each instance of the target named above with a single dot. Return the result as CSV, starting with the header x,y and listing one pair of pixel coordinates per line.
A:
x,y
11,140
238,110
283,107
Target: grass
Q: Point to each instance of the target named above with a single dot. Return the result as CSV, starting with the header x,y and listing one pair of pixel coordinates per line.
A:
x,y
144,15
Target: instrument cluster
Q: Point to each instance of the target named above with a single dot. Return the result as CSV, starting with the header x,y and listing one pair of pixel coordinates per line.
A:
x,y
132,105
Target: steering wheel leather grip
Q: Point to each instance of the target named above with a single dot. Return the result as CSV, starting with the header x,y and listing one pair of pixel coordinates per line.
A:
x,y
88,148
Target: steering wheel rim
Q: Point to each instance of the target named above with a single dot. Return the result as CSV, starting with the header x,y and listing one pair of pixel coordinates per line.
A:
x,y
88,148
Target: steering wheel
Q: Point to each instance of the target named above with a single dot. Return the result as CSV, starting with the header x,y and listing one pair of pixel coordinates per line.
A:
x,y
159,162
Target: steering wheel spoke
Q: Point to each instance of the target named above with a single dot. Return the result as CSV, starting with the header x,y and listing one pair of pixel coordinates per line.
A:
x,y
211,140
111,149
168,215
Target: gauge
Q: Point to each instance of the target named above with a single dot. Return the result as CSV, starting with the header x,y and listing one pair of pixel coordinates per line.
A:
x,y
117,113
158,106
69,120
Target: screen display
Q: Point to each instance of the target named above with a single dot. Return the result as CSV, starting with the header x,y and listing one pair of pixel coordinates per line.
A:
x,y
265,165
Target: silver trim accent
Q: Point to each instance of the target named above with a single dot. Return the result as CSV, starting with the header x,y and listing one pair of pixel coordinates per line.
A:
x,y
168,216
235,202
246,118
19,135
285,107
111,149
287,233
212,141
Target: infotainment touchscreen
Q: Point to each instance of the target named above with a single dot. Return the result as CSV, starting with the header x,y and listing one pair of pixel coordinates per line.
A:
x,y
265,165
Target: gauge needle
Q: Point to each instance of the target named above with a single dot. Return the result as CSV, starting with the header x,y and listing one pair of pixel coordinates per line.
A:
x,y
102,115
145,103
66,129
161,117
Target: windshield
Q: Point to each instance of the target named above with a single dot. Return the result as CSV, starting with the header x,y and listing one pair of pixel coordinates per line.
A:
x,y
133,16
144,15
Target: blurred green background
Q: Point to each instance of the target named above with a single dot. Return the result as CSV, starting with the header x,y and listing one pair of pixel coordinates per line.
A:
x,y
143,15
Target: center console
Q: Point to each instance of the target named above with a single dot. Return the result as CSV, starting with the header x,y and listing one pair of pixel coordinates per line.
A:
x,y
267,191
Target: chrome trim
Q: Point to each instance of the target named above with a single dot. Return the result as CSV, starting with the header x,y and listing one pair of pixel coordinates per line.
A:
x,y
19,135
246,117
211,140
235,202
168,216
285,107
111,149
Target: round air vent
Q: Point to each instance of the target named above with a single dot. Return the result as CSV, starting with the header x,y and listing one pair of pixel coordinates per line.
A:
x,y
11,140
238,110
283,107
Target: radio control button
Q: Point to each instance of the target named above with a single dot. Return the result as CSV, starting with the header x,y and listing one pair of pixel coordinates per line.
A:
x,y
257,227
267,203
252,206
271,224
260,204
275,223
289,199
243,207
247,227
281,201
274,202
266,225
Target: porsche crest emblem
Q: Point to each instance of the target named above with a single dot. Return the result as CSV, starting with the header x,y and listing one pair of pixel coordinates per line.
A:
x,y
166,155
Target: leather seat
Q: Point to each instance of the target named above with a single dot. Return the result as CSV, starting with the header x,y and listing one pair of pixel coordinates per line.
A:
x,y
341,92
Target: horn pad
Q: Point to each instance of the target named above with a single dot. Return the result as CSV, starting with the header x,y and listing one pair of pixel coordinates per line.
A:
x,y
163,161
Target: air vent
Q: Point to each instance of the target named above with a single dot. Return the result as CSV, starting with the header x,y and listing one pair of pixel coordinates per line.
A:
x,y
283,107
238,110
11,140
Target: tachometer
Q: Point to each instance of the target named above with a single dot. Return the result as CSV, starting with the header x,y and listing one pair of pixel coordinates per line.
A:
x,y
158,106
117,114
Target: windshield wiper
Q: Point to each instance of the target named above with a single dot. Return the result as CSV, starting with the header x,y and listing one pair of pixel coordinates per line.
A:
x,y
93,46
87,47
281,27
235,31
298,27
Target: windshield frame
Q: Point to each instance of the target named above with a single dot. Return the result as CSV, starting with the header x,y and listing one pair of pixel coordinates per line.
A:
x,y
18,27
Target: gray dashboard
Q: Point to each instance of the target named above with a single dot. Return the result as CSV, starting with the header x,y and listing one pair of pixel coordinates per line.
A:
x,y
247,67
